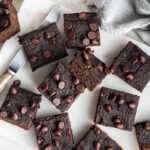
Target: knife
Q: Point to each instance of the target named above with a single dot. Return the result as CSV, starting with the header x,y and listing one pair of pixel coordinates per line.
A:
x,y
20,59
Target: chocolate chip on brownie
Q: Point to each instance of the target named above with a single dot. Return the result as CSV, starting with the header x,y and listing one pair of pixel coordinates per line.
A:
x,y
17,107
116,109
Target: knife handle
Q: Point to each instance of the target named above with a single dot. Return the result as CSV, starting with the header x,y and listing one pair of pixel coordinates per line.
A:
x,y
6,77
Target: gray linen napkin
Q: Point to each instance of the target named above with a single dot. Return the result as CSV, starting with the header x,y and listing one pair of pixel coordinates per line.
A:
x,y
129,17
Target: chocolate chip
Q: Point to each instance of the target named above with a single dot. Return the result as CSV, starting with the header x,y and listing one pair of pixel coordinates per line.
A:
x,y
4,23
58,132
80,88
48,35
91,35
56,143
121,100
56,77
117,119
46,53
119,125
107,70
60,125
44,129
97,145
14,90
56,101
7,103
145,147
44,86
134,60
97,131
52,41
33,59
37,128
3,114
99,68
108,107
125,69
17,83
52,93
147,126
24,110
35,41
101,94
142,59
109,148
93,26
68,25
95,42
112,97
89,51
33,104
86,56
130,77
6,11
61,85
76,81
15,116
40,140
48,147
68,99
132,105
86,41
88,64
71,35
82,15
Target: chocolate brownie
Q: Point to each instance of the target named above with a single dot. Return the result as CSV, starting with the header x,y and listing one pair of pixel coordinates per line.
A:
x,y
61,87
133,66
82,29
116,109
20,106
43,46
88,69
54,133
9,24
143,134
96,139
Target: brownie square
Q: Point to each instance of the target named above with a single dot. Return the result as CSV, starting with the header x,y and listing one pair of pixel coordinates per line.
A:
x,y
82,29
88,69
9,24
54,132
96,139
61,87
20,106
143,134
133,66
43,46
116,109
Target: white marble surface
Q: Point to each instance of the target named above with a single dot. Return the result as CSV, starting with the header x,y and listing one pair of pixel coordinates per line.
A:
x,y
83,110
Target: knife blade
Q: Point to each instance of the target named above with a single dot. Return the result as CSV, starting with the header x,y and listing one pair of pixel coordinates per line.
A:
x,y
20,59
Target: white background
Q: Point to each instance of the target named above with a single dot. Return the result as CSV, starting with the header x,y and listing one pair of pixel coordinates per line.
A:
x,y
83,110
